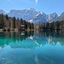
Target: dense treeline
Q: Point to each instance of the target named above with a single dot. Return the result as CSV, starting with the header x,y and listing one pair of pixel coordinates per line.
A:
x,y
14,24
58,25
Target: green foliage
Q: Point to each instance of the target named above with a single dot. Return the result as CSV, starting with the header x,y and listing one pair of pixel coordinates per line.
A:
x,y
12,22
6,16
1,21
58,25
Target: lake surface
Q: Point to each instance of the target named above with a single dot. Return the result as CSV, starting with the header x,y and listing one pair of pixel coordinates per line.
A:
x,y
32,48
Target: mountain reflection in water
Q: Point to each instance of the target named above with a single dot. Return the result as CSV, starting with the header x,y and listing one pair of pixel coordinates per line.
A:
x,y
32,47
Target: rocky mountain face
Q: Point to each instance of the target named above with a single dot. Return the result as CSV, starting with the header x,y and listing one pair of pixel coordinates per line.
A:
x,y
2,12
61,17
26,14
40,18
52,17
34,16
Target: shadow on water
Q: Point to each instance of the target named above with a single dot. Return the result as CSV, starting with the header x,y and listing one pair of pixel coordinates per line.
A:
x,y
32,47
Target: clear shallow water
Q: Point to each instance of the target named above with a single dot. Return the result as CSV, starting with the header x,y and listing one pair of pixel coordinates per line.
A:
x,y
32,48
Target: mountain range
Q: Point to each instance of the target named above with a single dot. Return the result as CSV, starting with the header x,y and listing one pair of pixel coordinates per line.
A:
x,y
34,16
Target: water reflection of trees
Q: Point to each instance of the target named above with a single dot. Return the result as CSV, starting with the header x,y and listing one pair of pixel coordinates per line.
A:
x,y
42,38
7,38
54,37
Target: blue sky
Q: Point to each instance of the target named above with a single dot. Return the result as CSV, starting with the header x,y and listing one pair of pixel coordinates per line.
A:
x,y
47,6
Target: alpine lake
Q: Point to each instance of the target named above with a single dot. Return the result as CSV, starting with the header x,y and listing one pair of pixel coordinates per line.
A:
x,y
32,47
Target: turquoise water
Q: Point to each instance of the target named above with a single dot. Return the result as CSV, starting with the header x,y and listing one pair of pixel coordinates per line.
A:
x,y
32,48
